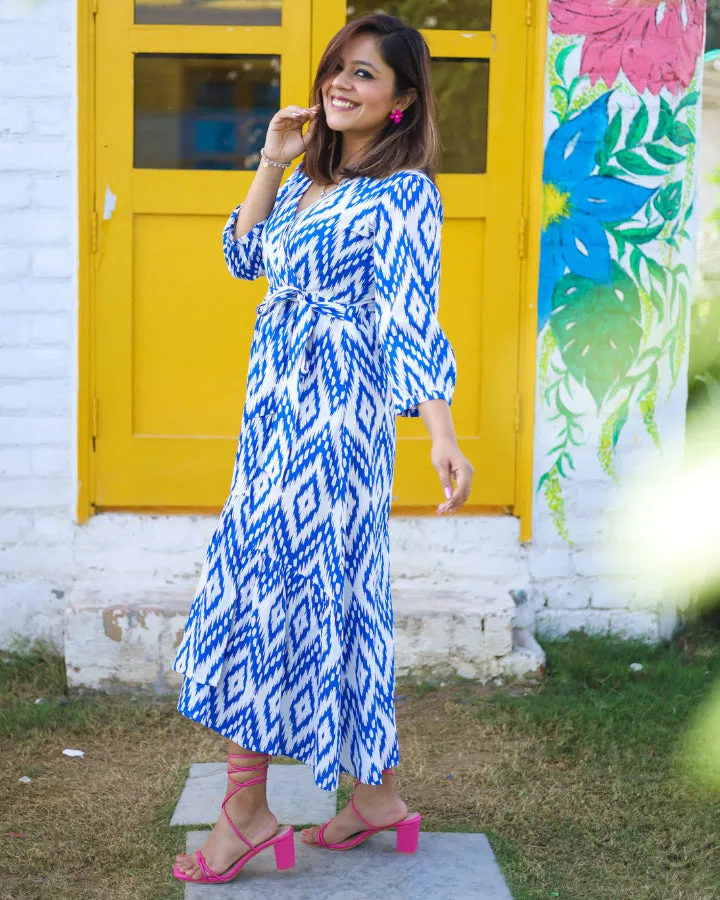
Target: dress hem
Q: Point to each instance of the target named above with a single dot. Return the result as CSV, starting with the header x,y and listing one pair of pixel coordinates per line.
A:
x,y
392,763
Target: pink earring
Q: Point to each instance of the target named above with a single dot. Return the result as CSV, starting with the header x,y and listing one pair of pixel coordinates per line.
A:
x,y
396,115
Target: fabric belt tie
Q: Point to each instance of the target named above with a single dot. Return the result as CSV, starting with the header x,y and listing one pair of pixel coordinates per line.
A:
x,y
283,379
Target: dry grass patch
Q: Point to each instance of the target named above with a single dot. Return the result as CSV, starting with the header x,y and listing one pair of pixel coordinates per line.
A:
x,y
575,780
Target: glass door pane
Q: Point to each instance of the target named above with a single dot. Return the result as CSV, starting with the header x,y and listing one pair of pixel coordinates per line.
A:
x,y
203,111
208,12
472,15
461,87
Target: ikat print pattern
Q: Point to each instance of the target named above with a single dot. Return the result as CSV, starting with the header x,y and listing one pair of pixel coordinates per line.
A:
x,y
288,648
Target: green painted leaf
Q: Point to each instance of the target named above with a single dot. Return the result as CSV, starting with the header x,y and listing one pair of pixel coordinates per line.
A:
x,y
638,127
612,172
663,155
621,418
597,328
658,302
688,100
640,235
665,120
636,259
680,134
612,133
688,212
562,59
667,201
657,271
632,162
620,244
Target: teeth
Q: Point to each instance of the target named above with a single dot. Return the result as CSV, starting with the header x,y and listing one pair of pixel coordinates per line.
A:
x,y
343,104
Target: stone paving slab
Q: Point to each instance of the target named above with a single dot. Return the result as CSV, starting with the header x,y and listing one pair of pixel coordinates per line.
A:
x,y
292,794
445,867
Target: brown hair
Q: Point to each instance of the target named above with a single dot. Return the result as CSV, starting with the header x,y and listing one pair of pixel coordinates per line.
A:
x,y
413,143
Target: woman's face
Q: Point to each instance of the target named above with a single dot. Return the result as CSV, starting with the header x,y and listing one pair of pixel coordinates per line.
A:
x,y
359,95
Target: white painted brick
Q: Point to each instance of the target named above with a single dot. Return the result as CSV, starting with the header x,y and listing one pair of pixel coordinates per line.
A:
x,y
37,396
52,329
39,561
14,118
644,626
51,117
49,155
562,593
53,192
35,493
34,227
37,607
14,262
34,430
37,295
14,329
47,461
559,622
15,190
594,561
611,593
52,529
550,563
35,362
14,461
50,263
14,527
31,80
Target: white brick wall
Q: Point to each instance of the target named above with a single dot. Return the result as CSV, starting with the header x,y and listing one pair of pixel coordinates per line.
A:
x,y
38,302
42,552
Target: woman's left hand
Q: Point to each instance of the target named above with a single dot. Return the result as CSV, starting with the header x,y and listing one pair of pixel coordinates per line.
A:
x,y
450,464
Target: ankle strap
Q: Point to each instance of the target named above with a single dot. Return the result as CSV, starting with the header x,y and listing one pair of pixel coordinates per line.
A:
x,y
235,769
260,766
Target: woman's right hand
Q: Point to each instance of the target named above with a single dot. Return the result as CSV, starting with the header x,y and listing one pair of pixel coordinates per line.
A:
x,y
284,139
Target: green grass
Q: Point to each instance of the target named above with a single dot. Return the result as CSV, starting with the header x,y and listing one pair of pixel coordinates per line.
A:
x,y
580,782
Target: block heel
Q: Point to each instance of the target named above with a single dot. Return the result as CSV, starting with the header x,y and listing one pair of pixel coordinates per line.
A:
x,y
408,834
285,851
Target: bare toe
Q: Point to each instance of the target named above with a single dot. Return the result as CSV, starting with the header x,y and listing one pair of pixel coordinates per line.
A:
x,y
310,835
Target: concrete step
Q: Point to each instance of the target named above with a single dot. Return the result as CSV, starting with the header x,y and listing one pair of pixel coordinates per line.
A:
x,y
119,635
292,795
445,867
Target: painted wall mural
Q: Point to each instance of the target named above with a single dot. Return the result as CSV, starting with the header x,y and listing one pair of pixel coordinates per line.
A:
x,y
617,231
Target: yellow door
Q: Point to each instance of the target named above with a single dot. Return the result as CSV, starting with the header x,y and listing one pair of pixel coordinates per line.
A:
x,y
184,92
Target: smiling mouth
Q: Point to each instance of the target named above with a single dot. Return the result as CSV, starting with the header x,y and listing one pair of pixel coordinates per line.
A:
x,y
342,106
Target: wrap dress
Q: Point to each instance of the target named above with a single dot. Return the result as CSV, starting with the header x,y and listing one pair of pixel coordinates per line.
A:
x,y
288,648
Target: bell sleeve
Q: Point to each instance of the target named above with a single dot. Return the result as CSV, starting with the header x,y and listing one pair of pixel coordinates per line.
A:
x,y
244,256
419,359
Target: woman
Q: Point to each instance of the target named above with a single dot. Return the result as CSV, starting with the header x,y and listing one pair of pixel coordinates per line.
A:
x,y
289,645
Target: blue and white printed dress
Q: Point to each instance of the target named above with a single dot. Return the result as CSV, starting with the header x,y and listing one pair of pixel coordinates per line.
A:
x,y
288,648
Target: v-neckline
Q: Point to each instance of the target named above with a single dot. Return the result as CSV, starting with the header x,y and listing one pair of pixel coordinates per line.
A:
x,y
297,213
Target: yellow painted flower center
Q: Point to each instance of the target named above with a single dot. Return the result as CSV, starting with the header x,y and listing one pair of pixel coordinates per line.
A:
x,y
556,205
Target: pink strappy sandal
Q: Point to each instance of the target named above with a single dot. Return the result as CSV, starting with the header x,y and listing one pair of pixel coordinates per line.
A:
x,y
407,830
283,841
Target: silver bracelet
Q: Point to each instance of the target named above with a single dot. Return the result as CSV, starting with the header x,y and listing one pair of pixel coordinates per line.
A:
x,y
271,162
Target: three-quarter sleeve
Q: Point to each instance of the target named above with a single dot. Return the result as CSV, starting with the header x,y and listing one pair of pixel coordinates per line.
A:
x,y
406,259
244,256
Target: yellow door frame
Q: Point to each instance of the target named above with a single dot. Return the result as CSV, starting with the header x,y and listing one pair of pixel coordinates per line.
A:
x,y
536,12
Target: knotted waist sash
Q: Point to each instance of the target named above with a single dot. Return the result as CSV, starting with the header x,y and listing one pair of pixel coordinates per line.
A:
x,y
281,353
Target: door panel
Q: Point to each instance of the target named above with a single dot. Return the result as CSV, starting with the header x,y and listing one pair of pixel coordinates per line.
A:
x,y
181,114
479,79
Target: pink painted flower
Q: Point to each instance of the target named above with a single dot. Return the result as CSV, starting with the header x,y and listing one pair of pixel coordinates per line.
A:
x,y
656,43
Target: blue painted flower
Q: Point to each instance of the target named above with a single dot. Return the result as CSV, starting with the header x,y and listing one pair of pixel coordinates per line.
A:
x,y
576,204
